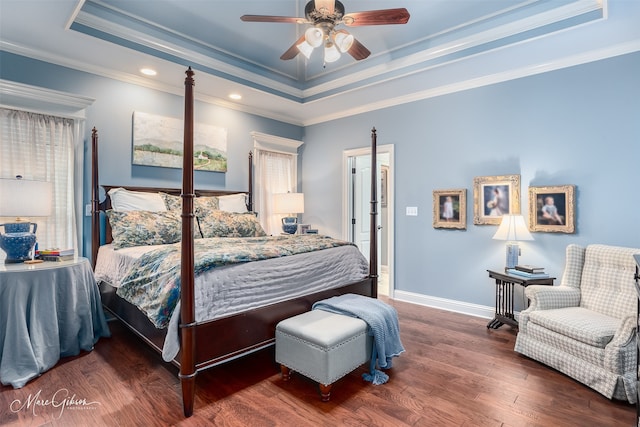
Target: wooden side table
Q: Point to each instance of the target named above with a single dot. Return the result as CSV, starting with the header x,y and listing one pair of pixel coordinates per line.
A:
x,y
505,284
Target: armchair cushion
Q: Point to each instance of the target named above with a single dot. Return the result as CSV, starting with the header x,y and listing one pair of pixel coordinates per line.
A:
x,y
578,323
605,281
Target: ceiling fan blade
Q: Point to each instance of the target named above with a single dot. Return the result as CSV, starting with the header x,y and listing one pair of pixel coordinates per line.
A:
x,y
329,5
358,51
266,18
377,17
293,50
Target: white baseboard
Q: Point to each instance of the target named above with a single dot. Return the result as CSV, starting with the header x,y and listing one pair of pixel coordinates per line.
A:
x,y
445,304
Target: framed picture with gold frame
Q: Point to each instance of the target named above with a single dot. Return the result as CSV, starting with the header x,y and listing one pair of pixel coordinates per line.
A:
x,y
450,208
552,209
494,196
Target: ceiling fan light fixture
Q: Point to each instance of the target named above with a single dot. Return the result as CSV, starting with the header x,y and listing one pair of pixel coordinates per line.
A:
x,y
324,16
331,53
314,36
343,41
305,48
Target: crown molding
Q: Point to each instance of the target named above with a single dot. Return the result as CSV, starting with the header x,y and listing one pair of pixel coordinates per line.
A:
x,y
177,89
172,49
446,52
529,70
275,143
38,99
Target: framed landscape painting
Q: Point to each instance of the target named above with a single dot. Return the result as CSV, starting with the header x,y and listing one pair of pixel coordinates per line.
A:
x,y
158,141
450,208
494,196
552,209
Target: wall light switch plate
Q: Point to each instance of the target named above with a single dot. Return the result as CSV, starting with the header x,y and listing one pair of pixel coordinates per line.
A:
x,y
412,211
87,209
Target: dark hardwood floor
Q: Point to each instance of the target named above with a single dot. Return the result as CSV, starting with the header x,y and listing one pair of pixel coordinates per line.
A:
x,y
455,372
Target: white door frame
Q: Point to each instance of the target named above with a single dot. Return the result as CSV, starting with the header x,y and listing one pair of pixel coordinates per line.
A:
x,y
346,220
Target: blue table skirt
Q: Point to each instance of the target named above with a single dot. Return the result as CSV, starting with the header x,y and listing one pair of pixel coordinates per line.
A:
x,y
47,312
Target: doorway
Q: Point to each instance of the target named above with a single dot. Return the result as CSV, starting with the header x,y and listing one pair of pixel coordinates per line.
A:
x,y
356,208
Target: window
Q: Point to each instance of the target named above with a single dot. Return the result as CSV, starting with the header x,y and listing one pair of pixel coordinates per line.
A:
x,y
61,105
41,147
276,171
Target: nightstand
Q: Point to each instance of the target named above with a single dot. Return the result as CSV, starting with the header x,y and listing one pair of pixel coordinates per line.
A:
x,y
505,284
47,311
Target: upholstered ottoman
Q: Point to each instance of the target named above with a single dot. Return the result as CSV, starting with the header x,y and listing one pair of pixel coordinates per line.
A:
x,y
322,346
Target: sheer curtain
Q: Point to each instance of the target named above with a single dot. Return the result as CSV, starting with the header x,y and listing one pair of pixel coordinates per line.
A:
x,y
276,172
41,147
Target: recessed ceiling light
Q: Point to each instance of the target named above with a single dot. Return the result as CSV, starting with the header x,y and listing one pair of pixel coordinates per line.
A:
x,y
148,71
235,96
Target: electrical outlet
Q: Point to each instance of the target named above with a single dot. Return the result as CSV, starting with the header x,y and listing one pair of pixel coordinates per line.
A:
x,y
87,209
412,211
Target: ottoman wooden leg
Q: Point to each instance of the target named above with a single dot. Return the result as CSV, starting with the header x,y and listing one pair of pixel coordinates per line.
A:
x,y
325,392
286,373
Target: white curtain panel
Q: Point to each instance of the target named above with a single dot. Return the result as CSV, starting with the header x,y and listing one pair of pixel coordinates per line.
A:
x,y
275,173
41,147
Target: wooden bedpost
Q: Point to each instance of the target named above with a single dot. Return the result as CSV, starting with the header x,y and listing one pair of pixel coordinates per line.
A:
x,y
373,227
95,199
187,314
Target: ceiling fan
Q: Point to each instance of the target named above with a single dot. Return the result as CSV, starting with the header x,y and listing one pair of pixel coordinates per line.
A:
x,y
324,16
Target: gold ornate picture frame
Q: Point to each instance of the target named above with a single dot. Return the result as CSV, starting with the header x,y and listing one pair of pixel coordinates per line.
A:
x,y
450,208
552,209
494,196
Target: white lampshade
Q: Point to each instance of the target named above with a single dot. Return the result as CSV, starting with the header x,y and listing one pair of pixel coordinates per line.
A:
x,y
513,228
331,52
289,203
314,36
25,198
343,40
305,48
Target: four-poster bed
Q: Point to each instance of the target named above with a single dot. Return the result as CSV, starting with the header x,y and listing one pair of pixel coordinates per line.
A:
x,y
206,343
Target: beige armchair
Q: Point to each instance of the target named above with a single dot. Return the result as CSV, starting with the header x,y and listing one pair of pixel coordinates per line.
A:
x,y
586,327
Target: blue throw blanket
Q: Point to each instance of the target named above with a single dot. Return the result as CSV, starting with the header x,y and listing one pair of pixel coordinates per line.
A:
x,y
382,320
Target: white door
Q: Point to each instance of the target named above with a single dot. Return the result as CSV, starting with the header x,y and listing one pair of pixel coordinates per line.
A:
x,y
358,207
361,205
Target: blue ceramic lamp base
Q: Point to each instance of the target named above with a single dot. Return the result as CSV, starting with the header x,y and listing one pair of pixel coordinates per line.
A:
x,y
18,241
290,224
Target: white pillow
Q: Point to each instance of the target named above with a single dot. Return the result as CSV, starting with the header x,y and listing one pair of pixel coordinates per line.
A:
x,y
233,203
123,200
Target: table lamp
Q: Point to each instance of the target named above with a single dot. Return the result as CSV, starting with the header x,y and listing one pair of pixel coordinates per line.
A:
x,y
291,204
512,229
22,198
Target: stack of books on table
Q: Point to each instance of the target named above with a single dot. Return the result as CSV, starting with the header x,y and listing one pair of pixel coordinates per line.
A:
x,y
57,254
528,271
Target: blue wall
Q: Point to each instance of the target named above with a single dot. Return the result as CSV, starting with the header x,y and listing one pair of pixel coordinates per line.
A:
x,y
579,126
112,112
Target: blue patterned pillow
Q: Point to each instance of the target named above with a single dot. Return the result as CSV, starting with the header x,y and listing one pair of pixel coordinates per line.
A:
x,y
172,202
216,223
145,228
200,204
